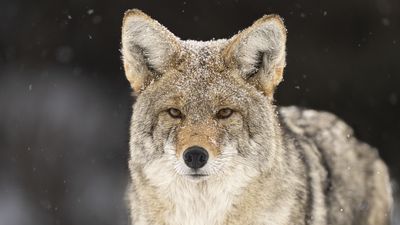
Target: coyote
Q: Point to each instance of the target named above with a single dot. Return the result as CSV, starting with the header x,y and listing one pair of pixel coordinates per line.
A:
x,y
209,147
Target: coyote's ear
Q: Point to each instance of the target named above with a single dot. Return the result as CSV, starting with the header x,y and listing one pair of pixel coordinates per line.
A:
x,y
259,53
148,48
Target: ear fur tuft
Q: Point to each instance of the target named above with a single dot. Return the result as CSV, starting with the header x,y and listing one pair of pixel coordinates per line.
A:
x,y
259,53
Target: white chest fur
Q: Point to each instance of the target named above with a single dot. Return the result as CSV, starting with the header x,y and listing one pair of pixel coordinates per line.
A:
x,y
202,203
199,204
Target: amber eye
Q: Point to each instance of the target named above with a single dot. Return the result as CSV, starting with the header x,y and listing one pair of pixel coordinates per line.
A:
x,y
224,113
175,113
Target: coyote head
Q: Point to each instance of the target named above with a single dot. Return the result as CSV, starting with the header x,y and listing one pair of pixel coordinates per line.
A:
x,y
203,109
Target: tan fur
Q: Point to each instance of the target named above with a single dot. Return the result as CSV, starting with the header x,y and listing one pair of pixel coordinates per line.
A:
x,y
267,165
204,135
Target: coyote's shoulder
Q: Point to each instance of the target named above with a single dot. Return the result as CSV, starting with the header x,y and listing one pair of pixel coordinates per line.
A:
x,y
209,147
355,180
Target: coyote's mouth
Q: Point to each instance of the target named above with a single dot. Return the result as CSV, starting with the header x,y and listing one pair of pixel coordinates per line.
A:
x,y
196,176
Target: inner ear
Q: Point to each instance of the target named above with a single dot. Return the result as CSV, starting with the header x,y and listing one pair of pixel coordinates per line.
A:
x,y
257,65
145,58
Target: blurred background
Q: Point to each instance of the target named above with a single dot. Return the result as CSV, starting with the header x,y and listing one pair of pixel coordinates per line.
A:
x,y
65,104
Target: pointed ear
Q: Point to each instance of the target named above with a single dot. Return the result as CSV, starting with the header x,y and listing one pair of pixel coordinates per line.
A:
x,y
259,53
148,49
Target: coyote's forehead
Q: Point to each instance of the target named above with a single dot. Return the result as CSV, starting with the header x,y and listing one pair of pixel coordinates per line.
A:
x,y
203,55
200,78
201,64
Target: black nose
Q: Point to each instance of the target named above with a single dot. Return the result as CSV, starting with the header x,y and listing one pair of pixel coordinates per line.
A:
x,y
195,157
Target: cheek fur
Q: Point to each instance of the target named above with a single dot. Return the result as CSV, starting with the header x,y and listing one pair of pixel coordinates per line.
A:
x,y
164,131
232,128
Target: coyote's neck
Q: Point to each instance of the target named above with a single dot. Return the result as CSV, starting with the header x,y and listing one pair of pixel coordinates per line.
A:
x,y
199,204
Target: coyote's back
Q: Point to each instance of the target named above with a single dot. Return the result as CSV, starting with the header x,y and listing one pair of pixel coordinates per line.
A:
x,y
209,147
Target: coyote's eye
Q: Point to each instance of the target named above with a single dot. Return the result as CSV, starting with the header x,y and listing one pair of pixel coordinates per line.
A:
x,y
224,113
175,113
